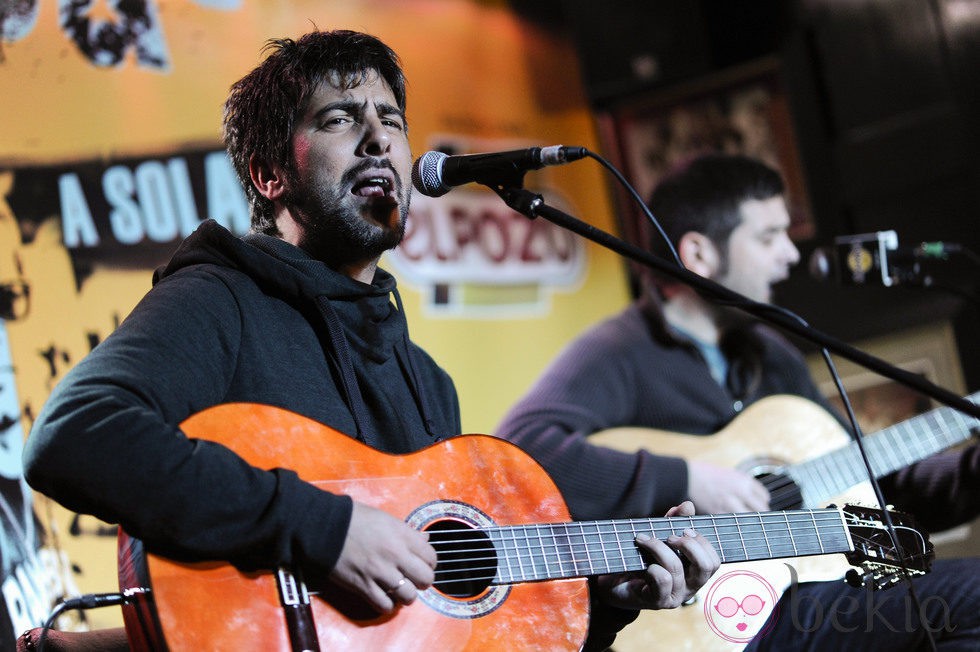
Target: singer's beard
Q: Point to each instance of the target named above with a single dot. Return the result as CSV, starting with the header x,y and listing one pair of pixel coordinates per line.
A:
x,y
336,231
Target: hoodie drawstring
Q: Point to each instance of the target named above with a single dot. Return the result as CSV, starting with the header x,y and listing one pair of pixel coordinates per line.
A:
x,y
408,368
345,364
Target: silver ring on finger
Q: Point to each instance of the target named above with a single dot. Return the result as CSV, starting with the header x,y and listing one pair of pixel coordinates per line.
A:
x,y
402,582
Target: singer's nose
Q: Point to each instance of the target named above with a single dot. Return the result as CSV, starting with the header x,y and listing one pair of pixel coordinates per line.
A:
x,y
377,140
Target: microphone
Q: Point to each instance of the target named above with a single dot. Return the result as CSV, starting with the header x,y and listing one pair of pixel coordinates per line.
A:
x,y
874,258
435,173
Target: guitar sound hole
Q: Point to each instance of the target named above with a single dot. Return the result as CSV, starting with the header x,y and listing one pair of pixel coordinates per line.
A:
x,y
784,493
467,560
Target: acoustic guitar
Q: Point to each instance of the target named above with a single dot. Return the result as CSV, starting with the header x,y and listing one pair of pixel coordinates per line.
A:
x,y
511,564
805,458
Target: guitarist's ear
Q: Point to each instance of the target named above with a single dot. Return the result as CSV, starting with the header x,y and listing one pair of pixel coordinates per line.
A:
x,y
268,180
699,254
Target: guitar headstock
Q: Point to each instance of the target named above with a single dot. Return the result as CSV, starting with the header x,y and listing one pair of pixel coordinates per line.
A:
x,y
875,553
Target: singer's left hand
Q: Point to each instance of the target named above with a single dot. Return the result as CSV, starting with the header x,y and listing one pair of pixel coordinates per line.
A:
x,y
679,567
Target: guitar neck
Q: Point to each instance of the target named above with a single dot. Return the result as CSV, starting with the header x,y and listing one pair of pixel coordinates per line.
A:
x,y
527,553
893,448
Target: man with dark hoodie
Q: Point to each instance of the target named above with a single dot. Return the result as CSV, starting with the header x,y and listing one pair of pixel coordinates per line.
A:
x,y
296,314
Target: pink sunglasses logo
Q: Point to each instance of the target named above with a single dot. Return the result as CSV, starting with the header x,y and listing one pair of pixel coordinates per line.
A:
x,y
736,606
751,605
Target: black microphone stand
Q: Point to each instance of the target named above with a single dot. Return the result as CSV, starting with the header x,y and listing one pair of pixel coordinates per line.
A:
x,y
532,206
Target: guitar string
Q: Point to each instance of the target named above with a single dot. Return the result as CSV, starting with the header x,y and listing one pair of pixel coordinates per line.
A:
x,y
739,520
881,558
467,574
772,520
780,486
943,427
600,528
556,546
554,540
728,542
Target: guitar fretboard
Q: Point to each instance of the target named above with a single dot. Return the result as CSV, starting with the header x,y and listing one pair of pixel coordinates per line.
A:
x,y
893,448
528,553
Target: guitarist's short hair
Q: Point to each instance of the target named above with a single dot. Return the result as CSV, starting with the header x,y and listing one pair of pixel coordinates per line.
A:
x,y
263,106
705,194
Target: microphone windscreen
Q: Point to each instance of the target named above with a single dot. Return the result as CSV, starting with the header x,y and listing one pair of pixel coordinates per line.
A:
x,y
427,174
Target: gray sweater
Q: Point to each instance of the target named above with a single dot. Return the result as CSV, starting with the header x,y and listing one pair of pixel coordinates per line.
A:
x,y
634,370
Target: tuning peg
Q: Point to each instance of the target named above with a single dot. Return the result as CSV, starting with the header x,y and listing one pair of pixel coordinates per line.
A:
x,y
885,580
856,578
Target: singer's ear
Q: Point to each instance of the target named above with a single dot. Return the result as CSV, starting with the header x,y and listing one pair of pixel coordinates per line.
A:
x,y
268,180
699,254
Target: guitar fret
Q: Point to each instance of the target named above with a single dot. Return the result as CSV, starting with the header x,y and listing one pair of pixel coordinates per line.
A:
x,y
732,548
852,469
792,539
741,539
619,544
561,567
943,435
504,554
890,453
607,540
520,562
588,551
532,559
807,481
633,559
539,565
573,532
918,450
765,538
824,474
748,526
591,548
806,536
895,447
816,529
717,540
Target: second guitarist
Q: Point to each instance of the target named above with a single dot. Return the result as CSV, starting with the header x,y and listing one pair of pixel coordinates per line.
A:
x,y
672,361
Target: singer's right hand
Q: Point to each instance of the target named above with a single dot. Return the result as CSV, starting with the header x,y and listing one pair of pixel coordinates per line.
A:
x,y
719,490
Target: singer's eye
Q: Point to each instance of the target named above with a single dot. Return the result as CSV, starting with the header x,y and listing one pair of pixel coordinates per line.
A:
x,y
335,121
393,122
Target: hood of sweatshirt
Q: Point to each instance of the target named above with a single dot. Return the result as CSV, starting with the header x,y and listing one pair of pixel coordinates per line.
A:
x,y
370,321
359,318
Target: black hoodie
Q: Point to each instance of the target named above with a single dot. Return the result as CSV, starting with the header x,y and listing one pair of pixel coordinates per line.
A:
x,y
235,320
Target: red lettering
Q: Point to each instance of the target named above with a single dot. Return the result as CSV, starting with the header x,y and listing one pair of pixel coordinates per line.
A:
x,y
494,236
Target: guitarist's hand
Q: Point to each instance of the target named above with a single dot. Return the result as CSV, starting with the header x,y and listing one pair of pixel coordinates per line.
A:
x,y
384,560
680,567
719,490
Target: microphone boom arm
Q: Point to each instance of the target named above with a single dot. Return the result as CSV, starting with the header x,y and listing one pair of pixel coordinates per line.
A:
x,y
532,206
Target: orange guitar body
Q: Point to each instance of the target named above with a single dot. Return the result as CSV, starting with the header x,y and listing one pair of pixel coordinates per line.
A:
x,y
213,606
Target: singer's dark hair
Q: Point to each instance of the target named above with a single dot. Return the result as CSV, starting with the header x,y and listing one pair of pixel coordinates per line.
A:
x,y
263,107
704,195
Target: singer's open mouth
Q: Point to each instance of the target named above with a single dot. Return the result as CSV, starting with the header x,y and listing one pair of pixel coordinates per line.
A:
x,y
373,187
